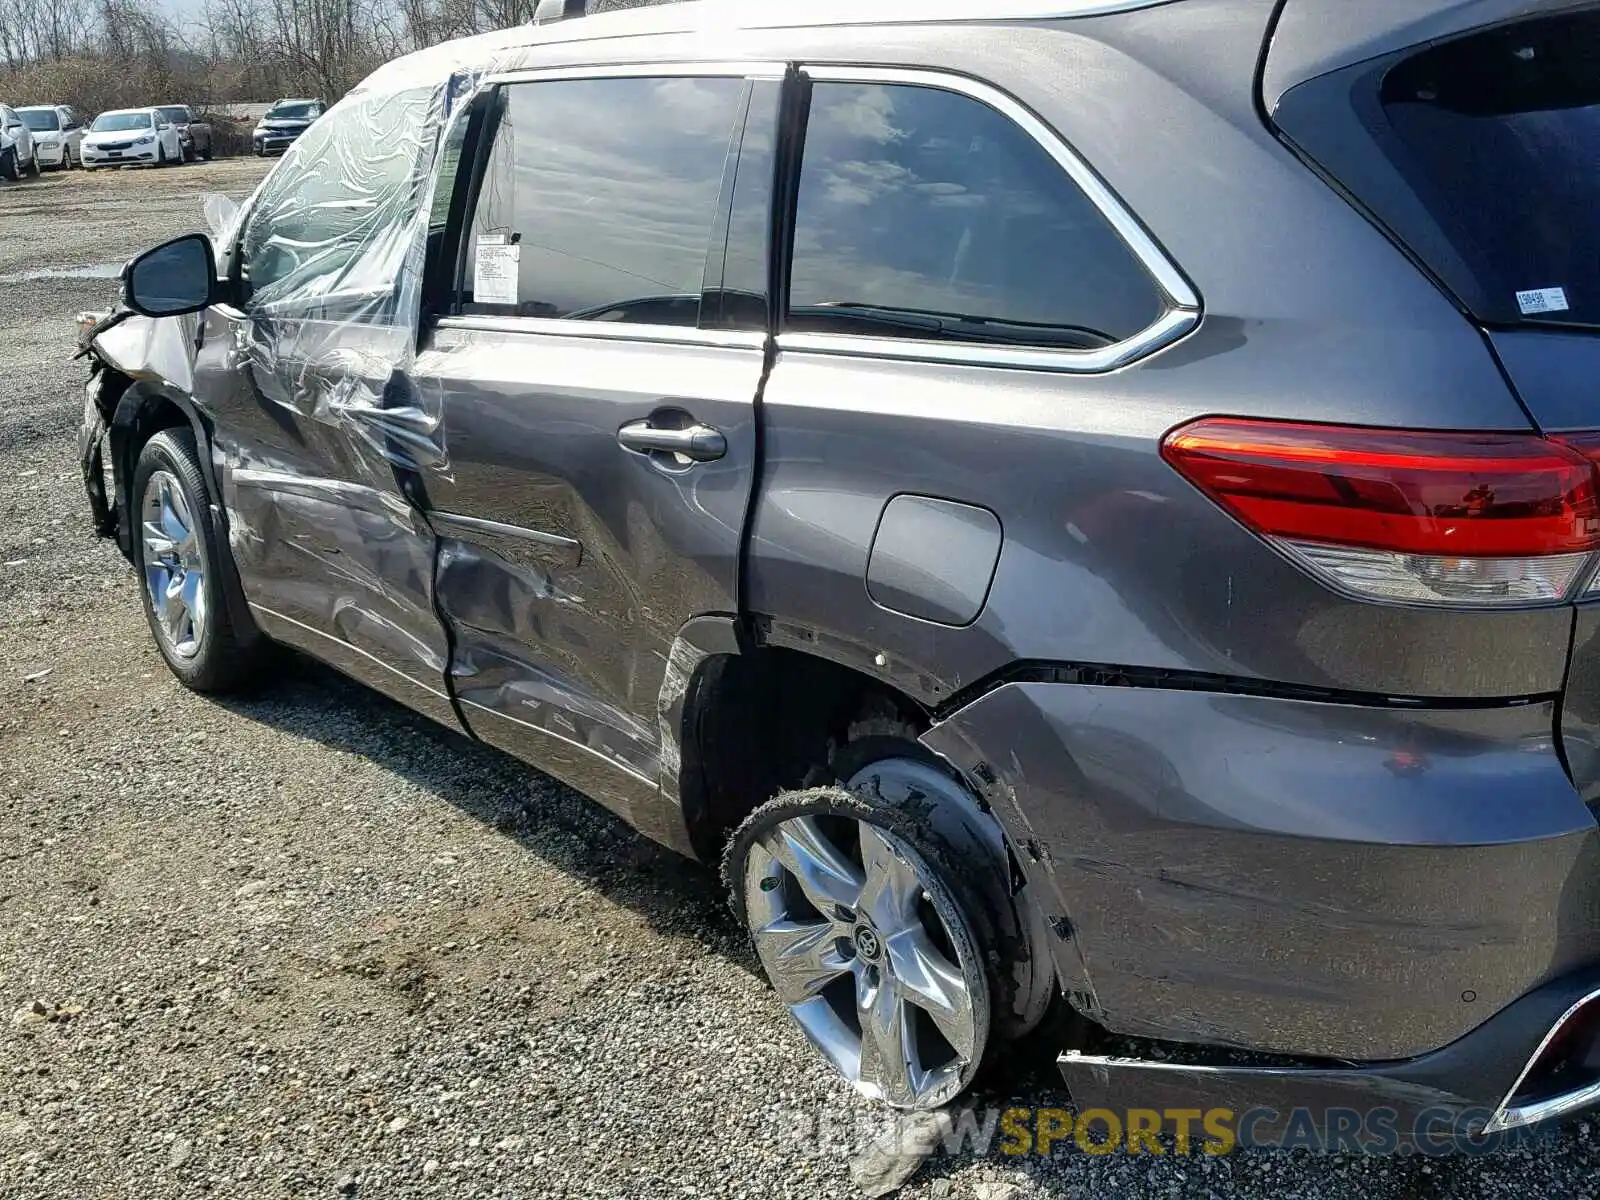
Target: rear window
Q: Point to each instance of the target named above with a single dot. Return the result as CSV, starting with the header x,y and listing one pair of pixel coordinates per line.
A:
x,y
40,120
1495,139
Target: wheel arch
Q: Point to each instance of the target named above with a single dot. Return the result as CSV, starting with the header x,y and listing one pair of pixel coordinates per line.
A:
x,y
750,720
145,408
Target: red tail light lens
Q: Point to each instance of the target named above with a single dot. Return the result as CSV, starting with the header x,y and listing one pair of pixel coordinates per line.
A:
x,y
1399,514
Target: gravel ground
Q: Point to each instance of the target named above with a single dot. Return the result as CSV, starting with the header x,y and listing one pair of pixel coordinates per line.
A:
x,y
308,944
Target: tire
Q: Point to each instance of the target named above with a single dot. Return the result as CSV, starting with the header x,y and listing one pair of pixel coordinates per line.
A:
x,y
161,155
8,165
173,543
33,163
206,153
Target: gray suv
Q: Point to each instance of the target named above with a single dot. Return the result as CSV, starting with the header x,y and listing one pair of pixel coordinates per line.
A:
x,y
1088,506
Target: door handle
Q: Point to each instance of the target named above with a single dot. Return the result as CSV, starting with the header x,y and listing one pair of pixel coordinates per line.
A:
x,y
701,443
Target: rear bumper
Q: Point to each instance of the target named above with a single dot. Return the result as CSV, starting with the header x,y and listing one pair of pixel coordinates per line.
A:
x,y
1297,878
1471,1096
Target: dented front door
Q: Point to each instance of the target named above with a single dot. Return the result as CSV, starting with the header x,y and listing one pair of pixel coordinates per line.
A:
x,y
318,429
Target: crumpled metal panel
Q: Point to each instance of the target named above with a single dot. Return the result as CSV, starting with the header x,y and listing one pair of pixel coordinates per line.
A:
x,y
1306,878
160,348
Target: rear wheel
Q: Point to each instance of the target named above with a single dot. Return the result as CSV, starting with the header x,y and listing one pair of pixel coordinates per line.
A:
x,y
180,564
870,939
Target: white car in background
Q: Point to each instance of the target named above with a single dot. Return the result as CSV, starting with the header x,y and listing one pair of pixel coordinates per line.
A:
x,y
129,136
17,153
58,133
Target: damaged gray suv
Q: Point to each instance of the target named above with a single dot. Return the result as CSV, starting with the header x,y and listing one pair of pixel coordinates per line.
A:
x,y
1083,505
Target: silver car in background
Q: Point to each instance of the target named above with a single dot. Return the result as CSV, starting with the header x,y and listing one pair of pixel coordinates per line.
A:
x,y
17,154
58,132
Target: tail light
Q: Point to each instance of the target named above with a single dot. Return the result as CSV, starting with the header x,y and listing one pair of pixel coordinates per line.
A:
x,y
1422,517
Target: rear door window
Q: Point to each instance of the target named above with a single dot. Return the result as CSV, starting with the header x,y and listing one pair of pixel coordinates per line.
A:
x,y
924,213
599,199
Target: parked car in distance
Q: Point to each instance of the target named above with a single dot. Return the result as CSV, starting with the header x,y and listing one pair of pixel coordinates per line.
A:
x,y
58,133
131,136
18,154
194,135
1132,542
285,121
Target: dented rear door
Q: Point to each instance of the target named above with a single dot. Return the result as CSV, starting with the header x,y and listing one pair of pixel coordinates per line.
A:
x,y
597,372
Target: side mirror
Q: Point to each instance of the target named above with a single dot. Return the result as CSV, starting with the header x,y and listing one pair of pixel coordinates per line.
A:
x,y
171,279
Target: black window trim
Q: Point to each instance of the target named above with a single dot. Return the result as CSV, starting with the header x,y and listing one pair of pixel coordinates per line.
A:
x,y
1183,305
559,326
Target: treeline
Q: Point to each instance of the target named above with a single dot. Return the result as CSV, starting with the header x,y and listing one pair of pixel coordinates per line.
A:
x,y
102,54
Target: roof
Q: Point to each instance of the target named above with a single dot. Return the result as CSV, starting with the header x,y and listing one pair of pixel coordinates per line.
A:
x,y
711,16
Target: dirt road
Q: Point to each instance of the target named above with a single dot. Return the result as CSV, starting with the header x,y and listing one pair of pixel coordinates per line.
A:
x,y
308,944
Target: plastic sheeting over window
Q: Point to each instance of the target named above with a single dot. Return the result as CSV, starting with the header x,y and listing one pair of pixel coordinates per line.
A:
x,y
331,258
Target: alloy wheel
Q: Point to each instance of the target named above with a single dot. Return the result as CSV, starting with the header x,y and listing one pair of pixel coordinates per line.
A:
x,y
174,565
871,956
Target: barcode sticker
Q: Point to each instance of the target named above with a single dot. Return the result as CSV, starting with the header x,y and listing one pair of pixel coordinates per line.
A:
x,y
1542,300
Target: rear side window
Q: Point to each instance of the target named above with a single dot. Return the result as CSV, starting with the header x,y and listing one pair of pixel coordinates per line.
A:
x,y
599,199
1481,155
924,213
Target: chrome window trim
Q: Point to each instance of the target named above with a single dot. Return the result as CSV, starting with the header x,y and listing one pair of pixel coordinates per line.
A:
x,y
1164,332
1508,1117
1183,303
722,69
616,331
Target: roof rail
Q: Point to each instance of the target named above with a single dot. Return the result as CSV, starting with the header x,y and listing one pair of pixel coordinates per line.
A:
x,y
559,10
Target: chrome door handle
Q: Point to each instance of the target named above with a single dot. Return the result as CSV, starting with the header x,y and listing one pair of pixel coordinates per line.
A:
x,y
700,443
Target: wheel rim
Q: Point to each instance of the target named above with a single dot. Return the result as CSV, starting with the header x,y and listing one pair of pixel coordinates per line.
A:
x,y
174,569
871,956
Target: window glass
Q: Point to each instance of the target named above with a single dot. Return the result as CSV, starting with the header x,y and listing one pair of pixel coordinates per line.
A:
x,y
336,214
1500,134
123,122
40,120
926,214
599,199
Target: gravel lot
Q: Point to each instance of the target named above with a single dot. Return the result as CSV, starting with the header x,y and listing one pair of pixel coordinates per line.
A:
x,y
309,944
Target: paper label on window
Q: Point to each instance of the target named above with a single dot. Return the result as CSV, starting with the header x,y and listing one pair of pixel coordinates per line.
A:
x,y
494,270
1542,300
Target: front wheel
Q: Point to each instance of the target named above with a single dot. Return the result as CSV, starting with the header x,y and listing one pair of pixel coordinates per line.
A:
x,y
206,153
33,163
8,165
180,563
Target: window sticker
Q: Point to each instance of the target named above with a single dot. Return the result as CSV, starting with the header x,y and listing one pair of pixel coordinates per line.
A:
x,y
494,270
1542,300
